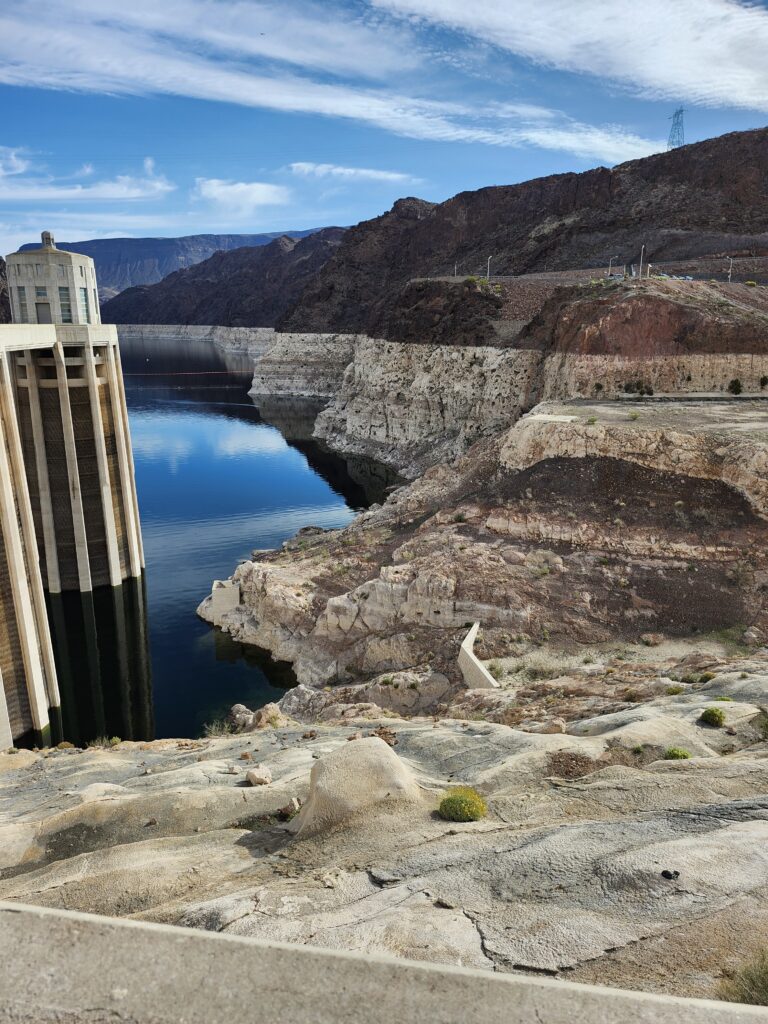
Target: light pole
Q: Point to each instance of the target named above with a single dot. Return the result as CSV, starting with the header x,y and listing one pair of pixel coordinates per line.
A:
x,y
610,264
488,271
730,269
642,253
455,269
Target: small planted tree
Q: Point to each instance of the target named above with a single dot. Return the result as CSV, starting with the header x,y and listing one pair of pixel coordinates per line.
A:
x,y
734,386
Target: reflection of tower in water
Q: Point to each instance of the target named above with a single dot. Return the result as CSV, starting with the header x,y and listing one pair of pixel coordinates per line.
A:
x,y
68,507
102,658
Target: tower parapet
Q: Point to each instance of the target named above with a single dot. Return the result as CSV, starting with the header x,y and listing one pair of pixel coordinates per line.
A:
x,y
51,286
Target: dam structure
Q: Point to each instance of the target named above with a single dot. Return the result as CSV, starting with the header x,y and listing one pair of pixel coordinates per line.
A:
x,y
68,507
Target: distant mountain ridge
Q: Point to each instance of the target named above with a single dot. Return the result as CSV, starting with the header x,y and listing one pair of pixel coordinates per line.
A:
x,y
124,262
247,287
699,200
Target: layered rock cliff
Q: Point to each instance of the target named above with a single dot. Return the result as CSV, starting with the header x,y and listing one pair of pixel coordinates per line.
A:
x,y
411,404
303,365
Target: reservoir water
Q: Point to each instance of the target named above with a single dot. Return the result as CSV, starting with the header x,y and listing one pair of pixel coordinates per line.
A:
x,y
217,477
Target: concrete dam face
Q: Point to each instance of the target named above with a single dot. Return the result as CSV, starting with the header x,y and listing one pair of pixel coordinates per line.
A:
x,y
68,508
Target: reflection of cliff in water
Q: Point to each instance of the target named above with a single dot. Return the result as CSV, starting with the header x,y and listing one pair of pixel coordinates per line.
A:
x,y
279,673
360,481
149,356
102,661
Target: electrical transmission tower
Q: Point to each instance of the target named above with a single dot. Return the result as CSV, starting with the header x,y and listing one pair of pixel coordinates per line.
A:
x,y
676,133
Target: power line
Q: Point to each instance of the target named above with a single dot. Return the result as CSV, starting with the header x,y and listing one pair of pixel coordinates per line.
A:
x,y
676,132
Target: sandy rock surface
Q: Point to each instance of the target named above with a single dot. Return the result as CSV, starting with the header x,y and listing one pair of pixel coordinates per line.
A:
x,y
595,849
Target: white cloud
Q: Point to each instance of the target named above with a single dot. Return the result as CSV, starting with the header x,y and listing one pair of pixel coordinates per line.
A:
x,y
17,185
240,197
307,169
712,52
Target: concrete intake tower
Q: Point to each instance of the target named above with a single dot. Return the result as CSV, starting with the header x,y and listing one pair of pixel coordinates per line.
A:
x,y
68,509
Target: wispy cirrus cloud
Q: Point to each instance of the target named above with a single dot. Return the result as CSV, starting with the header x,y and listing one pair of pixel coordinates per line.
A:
x,y
307,169
710,52
317,60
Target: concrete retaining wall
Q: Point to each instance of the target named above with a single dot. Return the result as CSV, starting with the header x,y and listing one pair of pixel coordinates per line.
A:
x,y
476,675
72,968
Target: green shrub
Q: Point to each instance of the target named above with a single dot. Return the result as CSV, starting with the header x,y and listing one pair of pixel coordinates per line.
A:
x,y
114,741
387,681
462,804
706,676
672,691
729,699
65,745
751,284
218,727
763,382
496,670
734,386
749,984
676,754
713,716
592,421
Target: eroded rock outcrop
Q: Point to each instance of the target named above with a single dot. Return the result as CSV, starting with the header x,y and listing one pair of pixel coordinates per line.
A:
x,y
586,521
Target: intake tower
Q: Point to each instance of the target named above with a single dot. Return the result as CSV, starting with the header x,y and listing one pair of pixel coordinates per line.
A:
x,y
68,509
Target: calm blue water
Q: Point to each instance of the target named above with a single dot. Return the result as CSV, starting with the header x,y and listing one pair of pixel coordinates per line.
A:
x,y
214,482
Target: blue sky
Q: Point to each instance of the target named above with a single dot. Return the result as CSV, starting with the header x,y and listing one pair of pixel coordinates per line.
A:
x,y
169,117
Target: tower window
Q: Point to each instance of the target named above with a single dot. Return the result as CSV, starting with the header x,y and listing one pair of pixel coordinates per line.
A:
x,y
41,292
21,294
85,312
65,303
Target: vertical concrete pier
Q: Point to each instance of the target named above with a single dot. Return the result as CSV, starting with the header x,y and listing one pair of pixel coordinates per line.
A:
x,y
68,506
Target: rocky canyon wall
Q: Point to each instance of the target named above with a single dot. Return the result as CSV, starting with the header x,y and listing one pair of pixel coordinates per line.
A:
x,y
411,405
303,365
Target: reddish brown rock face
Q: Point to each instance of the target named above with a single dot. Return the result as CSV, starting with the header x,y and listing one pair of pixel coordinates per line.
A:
x,y
655,318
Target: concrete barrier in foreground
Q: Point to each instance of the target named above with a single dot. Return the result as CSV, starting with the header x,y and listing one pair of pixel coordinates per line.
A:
x,y
71,968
